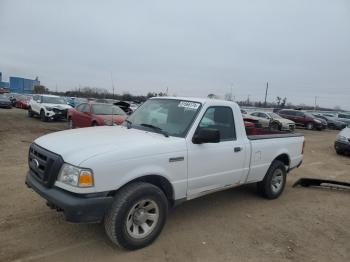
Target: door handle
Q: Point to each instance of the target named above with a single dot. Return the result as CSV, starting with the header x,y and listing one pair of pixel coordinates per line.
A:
x,y
238,149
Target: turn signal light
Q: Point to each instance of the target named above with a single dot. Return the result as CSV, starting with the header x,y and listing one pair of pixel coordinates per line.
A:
x,y
86,179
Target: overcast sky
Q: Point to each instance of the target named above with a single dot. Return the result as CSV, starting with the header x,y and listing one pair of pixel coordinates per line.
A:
x,y
302,48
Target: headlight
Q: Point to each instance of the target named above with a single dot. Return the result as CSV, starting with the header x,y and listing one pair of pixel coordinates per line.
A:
x,y
75,176
108,122
317,121
48,108
342,139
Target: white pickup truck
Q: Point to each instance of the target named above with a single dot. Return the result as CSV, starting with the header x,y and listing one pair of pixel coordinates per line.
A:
x,y
170,150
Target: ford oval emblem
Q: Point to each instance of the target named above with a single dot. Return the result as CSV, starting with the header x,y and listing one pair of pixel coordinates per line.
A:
x,y
36,163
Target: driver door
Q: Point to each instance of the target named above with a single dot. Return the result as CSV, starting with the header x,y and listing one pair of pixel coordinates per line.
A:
x,y
81,116
212,166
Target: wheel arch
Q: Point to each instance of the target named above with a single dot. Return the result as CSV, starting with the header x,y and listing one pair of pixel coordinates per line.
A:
x,y
156,180
284,158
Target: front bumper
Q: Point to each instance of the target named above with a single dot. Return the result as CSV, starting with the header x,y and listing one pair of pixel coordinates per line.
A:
x,y
5,105
288,127
77,208
57,113
342,146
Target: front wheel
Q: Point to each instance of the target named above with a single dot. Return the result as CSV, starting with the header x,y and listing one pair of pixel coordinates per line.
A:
x,y
30,112
275,126
70,123
42,116
309,126
274,181
137,215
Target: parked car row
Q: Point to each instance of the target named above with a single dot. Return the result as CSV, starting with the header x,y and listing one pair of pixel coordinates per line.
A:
x,y
304,119
288,119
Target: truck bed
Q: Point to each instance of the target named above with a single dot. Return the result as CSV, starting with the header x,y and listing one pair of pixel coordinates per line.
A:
x,y
261,133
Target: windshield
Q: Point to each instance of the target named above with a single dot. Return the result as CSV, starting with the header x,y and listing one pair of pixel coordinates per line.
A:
x,y
53,100
106,109
169,115
274,115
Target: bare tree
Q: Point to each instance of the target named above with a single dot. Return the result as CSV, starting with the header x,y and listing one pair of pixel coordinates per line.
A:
x,y
278,99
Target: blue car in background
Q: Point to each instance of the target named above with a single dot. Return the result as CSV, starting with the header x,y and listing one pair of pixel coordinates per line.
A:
x,y
74,101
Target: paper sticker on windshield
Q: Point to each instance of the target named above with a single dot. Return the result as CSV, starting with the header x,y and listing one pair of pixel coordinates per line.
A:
x,y
189,105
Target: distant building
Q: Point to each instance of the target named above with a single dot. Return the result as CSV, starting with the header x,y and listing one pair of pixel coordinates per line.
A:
x,y
23,85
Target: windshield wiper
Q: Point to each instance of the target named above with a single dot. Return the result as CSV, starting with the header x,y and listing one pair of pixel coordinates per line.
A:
x,y
129,123
156,128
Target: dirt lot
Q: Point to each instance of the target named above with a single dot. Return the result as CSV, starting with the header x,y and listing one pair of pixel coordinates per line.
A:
x,y
235,225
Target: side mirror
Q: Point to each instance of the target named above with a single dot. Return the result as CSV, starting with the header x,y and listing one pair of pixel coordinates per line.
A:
x,y
38,101
206,135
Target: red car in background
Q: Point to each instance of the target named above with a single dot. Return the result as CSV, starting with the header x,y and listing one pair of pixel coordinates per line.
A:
x,y
23,102
95,114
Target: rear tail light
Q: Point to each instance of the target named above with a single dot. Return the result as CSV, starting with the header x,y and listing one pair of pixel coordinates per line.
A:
x,y
302,150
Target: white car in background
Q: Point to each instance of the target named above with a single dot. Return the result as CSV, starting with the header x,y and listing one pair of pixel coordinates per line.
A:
x,y
48,107
274,121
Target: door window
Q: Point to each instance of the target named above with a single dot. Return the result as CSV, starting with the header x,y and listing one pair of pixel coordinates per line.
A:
x,y
220,118
85,108
80,107
263,115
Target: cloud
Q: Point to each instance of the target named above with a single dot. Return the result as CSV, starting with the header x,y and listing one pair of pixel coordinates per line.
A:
x,y
191,47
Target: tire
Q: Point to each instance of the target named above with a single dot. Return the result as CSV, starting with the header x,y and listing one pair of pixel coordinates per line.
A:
x,y
269,187
94,124
42,116
30,112
339,152
70,123
275,126
332,127
309,126
121,219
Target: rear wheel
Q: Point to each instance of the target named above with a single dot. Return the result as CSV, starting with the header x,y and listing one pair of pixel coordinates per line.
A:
x,y
274,181
94,124
309,126
137,215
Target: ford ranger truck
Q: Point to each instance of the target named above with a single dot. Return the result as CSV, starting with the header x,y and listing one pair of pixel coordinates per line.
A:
x,y
168,151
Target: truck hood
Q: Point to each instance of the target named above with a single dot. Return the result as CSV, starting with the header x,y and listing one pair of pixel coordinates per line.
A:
x,y
77,145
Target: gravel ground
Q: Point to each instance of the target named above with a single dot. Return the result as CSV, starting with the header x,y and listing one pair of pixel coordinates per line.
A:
x,y
304,224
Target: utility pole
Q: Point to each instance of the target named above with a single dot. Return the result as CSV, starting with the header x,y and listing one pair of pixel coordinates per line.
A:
x,y
248,100
112,86
315,103
267,88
